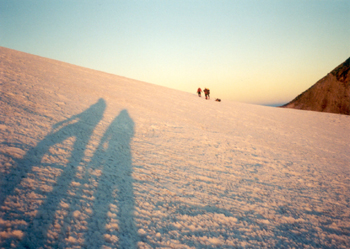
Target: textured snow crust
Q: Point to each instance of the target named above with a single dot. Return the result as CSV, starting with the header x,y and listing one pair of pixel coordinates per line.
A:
x,y
93,160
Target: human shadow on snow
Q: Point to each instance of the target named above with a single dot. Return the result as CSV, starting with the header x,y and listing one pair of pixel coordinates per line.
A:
x,y
112,204
114,196
81,127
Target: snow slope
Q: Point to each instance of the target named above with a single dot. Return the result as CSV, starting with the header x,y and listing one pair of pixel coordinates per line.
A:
x,y
93,160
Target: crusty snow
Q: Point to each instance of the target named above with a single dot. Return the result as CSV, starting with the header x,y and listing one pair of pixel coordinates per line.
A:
x,y
93,160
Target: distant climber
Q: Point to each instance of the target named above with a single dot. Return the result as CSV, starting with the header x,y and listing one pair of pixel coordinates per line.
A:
x,y
199,91
207,93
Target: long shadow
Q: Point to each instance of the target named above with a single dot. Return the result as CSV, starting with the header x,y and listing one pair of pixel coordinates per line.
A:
x,y
80,126
81,130
113,158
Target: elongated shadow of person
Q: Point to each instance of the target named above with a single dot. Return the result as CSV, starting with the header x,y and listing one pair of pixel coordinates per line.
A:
x,y
81,127
113,158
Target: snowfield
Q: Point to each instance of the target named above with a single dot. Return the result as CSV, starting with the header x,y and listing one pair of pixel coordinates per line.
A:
x,y
93,160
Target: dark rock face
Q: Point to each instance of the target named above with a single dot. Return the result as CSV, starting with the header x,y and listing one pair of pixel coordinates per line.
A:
x,y
330,94
342,72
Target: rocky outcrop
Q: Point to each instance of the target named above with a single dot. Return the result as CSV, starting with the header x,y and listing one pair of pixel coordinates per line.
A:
x,y
330,94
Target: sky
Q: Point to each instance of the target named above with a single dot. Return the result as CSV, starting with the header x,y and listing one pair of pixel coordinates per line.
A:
x,y
252,51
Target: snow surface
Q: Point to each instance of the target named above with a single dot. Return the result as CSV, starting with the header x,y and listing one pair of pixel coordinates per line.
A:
x,y
93,160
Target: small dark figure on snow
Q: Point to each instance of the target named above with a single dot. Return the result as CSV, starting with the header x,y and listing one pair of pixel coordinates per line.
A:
x,y
207,93
199,91
218,100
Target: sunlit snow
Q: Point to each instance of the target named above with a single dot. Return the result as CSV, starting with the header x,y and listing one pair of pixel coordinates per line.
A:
x,y
93,160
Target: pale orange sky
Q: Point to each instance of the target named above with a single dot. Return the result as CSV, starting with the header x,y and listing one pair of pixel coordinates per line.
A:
x,y
249,51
